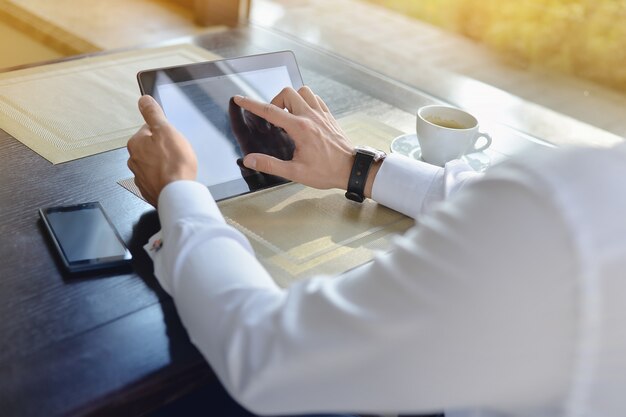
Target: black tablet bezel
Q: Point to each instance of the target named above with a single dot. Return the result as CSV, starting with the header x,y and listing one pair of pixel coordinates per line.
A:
x,y
149,82
86,264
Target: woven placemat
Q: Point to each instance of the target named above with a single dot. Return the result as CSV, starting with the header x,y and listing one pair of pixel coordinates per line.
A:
x,y
73,109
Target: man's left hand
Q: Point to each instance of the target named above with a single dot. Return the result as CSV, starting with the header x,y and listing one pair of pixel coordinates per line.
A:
x,y
159,154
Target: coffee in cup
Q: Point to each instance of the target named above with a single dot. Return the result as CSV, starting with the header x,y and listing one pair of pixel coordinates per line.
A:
x,y
446,133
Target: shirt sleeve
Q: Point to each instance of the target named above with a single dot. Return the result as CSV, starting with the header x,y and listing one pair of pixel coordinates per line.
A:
x,y
471,308
414,187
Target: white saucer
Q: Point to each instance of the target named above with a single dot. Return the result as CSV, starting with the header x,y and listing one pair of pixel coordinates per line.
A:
x,y
408,145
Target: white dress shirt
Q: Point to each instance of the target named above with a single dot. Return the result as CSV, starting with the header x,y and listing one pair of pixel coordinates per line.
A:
x,y
508,296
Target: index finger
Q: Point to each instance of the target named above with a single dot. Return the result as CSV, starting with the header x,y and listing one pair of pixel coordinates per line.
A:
x,y
152,112
273,114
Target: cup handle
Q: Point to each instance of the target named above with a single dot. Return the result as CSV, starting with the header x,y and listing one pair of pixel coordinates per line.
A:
x,y
486,145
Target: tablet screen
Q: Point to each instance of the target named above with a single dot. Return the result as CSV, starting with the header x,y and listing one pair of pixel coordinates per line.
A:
x,y
197,101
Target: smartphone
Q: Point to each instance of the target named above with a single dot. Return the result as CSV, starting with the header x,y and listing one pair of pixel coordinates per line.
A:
x,y
85,238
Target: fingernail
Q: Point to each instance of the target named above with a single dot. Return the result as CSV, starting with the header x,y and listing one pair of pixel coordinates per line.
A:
x,y
250,162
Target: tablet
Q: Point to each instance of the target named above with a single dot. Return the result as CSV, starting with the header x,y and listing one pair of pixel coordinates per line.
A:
x,y
196,99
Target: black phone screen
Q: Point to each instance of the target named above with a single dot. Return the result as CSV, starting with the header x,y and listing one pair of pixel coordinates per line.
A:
x,y
85,237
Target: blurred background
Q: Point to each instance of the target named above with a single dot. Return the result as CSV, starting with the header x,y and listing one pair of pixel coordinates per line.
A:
x,y
586,38
568,56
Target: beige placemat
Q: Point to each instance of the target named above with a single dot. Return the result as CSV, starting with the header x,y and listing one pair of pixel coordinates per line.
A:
x,y
298,231
74,109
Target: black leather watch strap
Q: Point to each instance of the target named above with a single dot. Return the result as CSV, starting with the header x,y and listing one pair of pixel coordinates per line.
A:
x,y
358,177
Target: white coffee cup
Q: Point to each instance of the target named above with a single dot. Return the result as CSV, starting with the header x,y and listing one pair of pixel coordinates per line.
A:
x,y
446,133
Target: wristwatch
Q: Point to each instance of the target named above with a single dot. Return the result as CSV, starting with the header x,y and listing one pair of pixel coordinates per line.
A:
x,y
364,157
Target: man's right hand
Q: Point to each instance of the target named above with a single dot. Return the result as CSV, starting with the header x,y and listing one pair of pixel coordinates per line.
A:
x,y
323,156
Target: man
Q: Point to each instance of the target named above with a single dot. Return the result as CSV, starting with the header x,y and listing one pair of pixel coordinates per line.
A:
x,y
505,298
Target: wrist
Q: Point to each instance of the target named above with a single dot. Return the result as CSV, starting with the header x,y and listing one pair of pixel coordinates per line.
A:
x,y
184,173
346,168
365,166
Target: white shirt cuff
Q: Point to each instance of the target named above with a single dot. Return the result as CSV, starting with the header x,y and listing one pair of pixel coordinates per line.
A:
x,y
186,199
179,199
405,184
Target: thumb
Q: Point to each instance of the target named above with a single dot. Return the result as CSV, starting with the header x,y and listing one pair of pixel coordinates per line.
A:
x,y
269,165
151,112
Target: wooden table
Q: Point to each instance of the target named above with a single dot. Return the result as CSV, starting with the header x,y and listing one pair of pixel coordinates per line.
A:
x,y
114,344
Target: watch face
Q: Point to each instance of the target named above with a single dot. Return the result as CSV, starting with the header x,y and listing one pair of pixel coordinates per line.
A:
x,y
368,150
